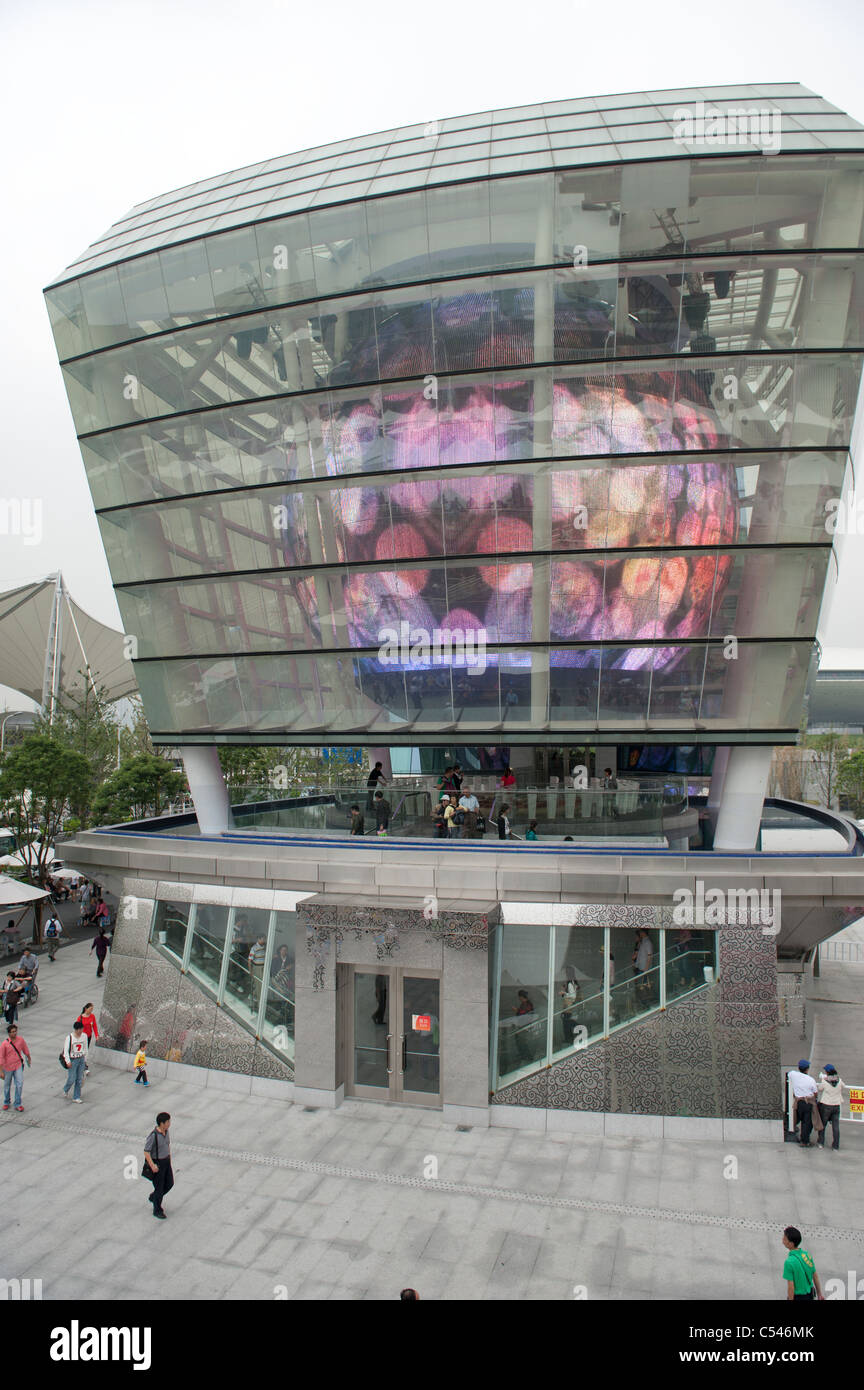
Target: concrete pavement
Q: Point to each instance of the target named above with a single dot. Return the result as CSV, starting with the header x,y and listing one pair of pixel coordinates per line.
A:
x,y
274,1200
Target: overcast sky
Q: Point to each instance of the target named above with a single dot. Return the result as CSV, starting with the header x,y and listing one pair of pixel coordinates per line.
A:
x,y
107,104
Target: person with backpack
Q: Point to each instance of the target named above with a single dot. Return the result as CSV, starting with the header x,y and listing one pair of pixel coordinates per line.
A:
x,y
439,819
13,1053
53,933
799,1271
74,1059
157,1162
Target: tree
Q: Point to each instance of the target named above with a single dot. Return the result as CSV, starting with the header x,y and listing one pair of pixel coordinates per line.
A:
x,y
134,733
831,749
788,769
850,782
142,786
87,724
40,778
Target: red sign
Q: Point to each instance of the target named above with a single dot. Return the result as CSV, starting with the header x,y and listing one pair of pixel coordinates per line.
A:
x,y
421,1023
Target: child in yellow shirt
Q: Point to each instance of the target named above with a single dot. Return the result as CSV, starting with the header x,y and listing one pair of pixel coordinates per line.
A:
x,y
140,1063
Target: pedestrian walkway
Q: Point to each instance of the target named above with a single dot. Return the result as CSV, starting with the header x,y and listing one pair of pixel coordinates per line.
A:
x,y
276,1200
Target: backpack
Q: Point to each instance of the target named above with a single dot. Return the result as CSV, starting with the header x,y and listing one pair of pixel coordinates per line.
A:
x,y
51,928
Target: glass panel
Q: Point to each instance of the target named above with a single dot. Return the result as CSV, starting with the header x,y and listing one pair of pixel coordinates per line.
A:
x,y
689,955
634,973
522,999
277,1026
208,944
579,971
170,923
244,983
371,1026
421,1028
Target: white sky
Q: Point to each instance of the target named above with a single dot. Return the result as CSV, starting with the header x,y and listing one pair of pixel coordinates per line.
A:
x,y
103,105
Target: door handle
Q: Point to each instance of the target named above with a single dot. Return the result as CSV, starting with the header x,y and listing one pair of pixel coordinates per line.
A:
x,y
404,1051
389,1068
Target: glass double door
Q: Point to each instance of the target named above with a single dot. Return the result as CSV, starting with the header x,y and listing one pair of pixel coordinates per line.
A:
x,y
394,1035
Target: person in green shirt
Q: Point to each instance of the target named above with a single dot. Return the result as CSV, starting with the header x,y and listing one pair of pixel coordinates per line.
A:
x,y
531,832
799,1271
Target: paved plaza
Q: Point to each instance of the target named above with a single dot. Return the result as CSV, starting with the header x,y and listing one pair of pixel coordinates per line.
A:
x,y
276,1201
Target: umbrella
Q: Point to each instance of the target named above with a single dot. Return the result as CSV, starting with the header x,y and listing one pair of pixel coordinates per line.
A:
x,y
67,873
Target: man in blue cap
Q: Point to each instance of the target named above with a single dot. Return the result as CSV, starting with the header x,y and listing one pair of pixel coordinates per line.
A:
x,y
804,1092
830,1096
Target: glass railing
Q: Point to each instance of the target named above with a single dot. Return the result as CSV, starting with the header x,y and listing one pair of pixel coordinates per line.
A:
x,y
409,808
543,1018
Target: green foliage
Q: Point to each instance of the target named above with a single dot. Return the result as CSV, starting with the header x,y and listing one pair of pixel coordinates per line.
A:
x,y
850,783
87,724
40,779
142,786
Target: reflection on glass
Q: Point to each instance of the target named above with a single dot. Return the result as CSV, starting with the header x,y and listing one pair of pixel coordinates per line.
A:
x,y
578,1005
209,930
371,1029
170,923
689,960
421,1030
277,1026
522,998
244,983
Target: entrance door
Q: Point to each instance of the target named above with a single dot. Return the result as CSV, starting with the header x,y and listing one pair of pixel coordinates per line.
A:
x,y
394,1035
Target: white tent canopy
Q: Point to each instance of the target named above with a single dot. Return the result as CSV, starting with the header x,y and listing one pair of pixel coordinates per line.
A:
x,y
47,642
13,893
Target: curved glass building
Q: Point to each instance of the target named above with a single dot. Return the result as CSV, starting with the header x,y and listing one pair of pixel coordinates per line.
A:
x,y
509,427
523,428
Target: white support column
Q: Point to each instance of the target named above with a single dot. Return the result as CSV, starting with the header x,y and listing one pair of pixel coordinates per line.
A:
x,y
718,776
207,786
742,798
382,756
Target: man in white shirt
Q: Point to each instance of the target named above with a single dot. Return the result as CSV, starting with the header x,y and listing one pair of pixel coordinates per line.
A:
x,y
75,1056
804,1092
469,804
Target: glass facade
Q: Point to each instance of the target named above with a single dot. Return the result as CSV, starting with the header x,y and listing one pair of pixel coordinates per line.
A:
x,y
242,957
599,386
557,987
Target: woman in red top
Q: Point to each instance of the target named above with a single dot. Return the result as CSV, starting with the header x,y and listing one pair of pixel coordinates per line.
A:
x,y
91,1028
507,778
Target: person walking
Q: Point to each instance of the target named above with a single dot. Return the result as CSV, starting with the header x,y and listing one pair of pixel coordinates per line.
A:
x,y
830,1094
13,1054
100,946
140,1064
381,807
75,1058
53,933
503,823
91,1028
157,1158
799,1271
358,823
804,1093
